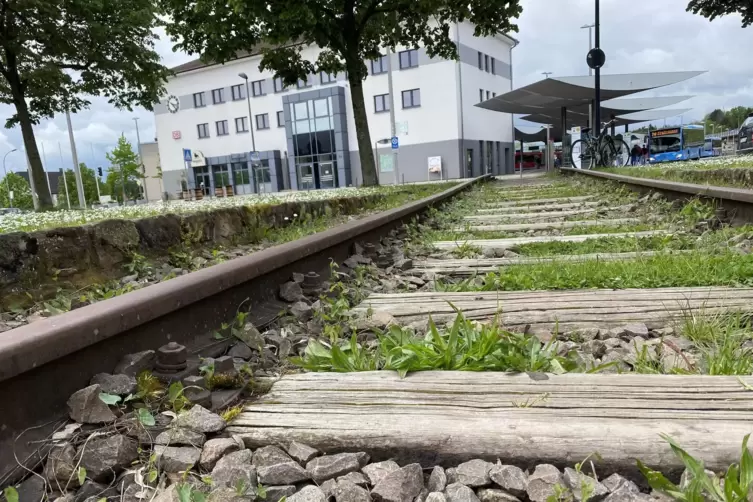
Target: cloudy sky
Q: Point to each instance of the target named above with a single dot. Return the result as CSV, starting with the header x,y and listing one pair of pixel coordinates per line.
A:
x,y
636,35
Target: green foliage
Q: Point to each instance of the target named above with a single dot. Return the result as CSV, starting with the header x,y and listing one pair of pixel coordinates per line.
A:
x,y
466,250
88,178
717,8
21,192
662,270
145,417
465,346
187,493
349,34
11,494
137,264
702,486
124,167
58,53
109,399
720,340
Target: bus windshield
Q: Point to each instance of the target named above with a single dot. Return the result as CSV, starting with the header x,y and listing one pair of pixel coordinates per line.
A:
x,y
666,144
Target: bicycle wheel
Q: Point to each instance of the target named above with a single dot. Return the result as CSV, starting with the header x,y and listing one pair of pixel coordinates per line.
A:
x,y
623,153
582,152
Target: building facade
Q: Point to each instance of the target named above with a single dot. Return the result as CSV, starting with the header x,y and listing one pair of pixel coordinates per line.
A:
x,y
305,135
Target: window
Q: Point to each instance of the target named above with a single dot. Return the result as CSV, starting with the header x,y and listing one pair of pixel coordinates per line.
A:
x,y
262,121
218,96
499,155
280,119
480,61
237,92
486,63
257,88
409,59
381,103
198,100
379,65
488,95
480,95
412,98
304,83
493,66
327,78
221,127
203,130
241,124
278,85
240,173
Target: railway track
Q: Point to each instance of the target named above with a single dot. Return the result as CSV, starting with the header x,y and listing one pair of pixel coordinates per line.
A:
x,y
608,318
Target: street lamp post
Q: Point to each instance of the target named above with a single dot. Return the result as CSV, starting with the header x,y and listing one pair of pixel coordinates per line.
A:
x,y
141,160
590,71
250,125
590,41
5,174
597,74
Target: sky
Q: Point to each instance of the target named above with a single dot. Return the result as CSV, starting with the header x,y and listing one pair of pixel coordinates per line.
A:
x,y
636,35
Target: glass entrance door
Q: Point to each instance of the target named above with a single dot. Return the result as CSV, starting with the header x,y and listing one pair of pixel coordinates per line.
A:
x,y
469,163
203,180
262,178
327,177
306,176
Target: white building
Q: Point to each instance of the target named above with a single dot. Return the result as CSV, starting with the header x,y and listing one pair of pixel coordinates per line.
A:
x,y
306,136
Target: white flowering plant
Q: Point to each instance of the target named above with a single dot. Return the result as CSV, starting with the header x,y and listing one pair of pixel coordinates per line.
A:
x,y
29,222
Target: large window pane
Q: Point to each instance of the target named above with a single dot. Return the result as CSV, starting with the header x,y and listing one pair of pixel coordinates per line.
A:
x,y
323,124
301,111
302,126
320,108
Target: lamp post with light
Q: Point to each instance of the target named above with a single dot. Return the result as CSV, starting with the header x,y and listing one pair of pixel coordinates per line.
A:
x,y
250,125
5,174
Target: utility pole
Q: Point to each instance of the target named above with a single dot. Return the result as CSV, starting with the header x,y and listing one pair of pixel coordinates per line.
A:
x,y
44,157
65,183
597,76
251,129
590,71
546,73
96,174
76,170
141,159
390,53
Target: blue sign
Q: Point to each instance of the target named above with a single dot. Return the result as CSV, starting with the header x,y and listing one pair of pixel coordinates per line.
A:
x,y
395,143
186,155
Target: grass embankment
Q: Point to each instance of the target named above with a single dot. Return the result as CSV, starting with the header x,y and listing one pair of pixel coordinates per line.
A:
x,y
732,172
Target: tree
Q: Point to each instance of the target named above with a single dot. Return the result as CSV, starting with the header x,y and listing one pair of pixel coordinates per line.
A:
x,y
348,32
21,192
712,9
53,54
124,165
89,179
730,119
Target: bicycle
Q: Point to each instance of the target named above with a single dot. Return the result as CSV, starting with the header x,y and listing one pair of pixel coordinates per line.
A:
x,y
603,151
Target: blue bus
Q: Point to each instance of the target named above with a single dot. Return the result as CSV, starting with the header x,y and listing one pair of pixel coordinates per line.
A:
x,y
673,144
712,147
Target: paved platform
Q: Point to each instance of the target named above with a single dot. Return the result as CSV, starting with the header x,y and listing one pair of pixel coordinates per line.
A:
x,y
448,417
469,267
517,241
554,225
566,309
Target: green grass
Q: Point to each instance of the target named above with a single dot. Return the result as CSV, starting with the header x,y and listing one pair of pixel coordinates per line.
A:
x,y
664,270
466,346
607,245
735,172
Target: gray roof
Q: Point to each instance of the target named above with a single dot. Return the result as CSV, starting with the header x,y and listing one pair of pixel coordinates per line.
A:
x,y
551,94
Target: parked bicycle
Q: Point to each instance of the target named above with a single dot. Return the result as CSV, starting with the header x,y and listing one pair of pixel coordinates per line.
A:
x,y
602,151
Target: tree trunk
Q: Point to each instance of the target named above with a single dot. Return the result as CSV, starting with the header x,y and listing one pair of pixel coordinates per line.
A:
x,y
36,174
365,153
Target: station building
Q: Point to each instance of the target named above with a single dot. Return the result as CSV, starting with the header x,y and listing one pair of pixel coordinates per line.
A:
x,y
305,135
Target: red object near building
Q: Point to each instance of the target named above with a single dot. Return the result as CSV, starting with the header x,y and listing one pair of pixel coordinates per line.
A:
x,y
531,160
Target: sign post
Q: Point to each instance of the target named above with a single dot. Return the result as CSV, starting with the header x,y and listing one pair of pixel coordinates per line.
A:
x,y
395,147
